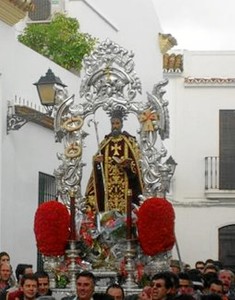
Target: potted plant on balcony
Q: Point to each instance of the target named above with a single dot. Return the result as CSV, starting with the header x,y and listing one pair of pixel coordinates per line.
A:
x,y
60,40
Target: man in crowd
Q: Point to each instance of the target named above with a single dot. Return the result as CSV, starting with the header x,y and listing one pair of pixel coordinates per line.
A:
x,y
162,285
200,265
85,286
175,266
227,277
43,284
215,287
5,275
29,287
116,291
5,279
21,270
185,284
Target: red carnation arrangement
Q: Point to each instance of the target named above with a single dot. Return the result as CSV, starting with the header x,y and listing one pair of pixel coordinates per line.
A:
x,y
156,226
51,228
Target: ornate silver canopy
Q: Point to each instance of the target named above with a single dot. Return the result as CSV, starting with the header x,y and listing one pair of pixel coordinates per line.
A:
x,y
110,82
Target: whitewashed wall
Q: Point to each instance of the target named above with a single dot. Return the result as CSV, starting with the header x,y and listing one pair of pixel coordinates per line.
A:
x,y
25,152
194,135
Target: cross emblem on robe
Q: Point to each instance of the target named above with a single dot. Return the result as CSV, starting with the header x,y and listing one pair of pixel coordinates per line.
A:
x,y
116,148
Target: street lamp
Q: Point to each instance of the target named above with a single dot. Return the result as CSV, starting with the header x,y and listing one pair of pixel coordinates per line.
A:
x,y
46,90
172,165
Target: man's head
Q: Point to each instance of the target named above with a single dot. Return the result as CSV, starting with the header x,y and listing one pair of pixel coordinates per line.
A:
x,y
210,269
185,284
5,271
29,286
200,265
85,285
175,266
216,287
161,284
197,280
227,277
23,269
175,282
43,283
116,291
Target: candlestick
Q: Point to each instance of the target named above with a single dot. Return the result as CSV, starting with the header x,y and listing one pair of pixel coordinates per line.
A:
x,y
72,218
129,215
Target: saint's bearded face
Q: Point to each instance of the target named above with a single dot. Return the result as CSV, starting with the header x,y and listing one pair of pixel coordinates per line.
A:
x,y
116,126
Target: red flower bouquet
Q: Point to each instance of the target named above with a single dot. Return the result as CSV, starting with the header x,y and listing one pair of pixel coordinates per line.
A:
x,y
156,226
51,228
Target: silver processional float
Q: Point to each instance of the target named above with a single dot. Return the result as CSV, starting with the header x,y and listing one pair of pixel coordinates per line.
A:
x,y
111,83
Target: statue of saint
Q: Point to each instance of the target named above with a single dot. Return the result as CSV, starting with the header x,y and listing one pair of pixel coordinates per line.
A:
x,y
116,170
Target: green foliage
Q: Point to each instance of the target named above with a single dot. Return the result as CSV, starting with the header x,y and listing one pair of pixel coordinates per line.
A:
x,y
59,40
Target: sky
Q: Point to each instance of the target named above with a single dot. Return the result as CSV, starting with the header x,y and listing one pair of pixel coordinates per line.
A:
x,y
198,24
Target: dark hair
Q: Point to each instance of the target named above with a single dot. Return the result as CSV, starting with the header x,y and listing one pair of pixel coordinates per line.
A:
x,y
210,267
41,274
20,269
184,297
211,297
86,274
215,281
116,286
208,277
28,277
199,262
209,261
174,278
185,276
102,296
197,279
164,276
3,253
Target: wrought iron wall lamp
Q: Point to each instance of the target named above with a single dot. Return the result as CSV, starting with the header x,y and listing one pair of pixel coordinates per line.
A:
x,y
21,113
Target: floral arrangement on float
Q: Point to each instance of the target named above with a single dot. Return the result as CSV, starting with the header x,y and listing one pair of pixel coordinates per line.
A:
x,y
51,228
104,244
156,226
102,240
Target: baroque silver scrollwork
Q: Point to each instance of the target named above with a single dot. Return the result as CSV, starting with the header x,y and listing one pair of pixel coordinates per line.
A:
x,y
110,81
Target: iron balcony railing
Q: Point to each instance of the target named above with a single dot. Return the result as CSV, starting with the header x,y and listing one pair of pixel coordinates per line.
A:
x,y
211,172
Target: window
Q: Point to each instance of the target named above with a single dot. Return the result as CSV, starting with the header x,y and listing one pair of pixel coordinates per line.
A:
x,y
227,150
46,192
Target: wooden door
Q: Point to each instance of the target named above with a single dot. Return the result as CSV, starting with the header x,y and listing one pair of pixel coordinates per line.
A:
x,y
227,246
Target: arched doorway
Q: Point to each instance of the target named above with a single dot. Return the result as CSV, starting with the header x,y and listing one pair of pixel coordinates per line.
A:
x,y
227,246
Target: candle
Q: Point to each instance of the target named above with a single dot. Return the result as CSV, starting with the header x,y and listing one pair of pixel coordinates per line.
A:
x,y
98,222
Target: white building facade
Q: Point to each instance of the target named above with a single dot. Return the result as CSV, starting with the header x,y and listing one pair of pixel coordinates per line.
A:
x,y
201,139
196,97
31,150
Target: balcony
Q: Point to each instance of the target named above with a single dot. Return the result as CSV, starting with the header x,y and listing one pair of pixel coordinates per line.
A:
x,y
212,181
12,12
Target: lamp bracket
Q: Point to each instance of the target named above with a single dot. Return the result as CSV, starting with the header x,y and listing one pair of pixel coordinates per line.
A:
x,y
19,115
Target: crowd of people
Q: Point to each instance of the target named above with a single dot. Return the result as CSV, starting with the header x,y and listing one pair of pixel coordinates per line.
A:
x,y
206,281
25,284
